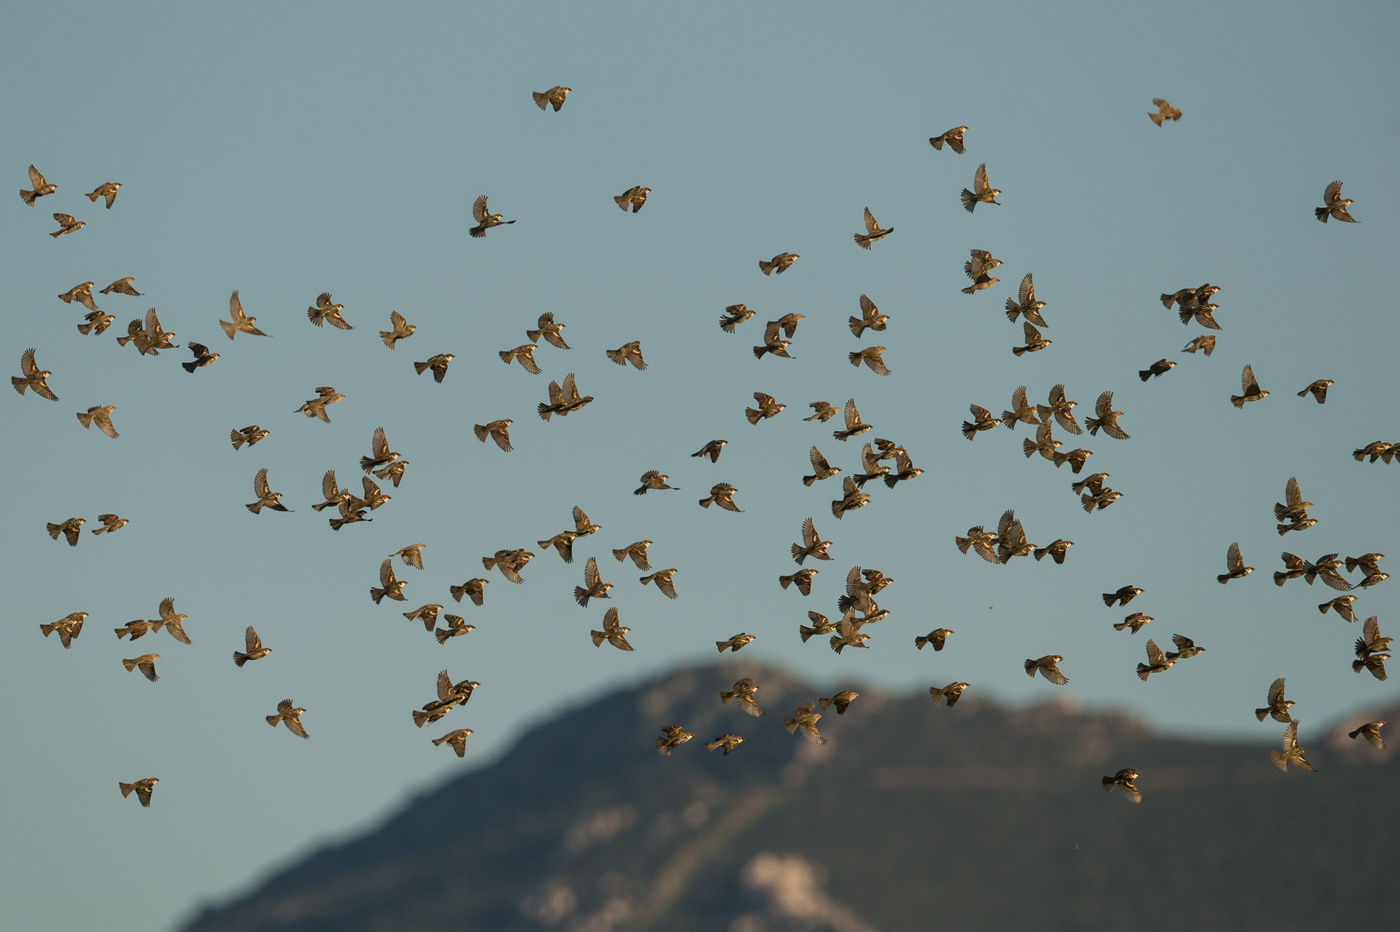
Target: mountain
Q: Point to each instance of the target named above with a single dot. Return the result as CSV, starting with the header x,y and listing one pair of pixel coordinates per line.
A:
x,y
913,815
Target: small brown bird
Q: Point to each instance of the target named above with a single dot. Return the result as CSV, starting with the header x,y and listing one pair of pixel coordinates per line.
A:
x,y
266,497
400,329
71,528
634,197
1165,111
935,638
1292,508
981,420
485,220
1048,667
1135,621
1160,367
1372,662
721,494
549,329
779,263
1250,386
438,363
1100,500
1094,484
851,498
138,628
1318,389
1022,411
142,788
171,620
96,322
614,632
1368,563
524,354
805,717
563,543
509,562
1291,753
1205,343
474,589
821,625
735,643
412,555
1278,706
729,741
1185,648
854,425
41,187
663,580
122,286
734,315
1371,731
146,663
457,740
202,357
289,716
1234,565
872,233
66,224
593,586
1371,641
582,524
981,192
326,311
101,415
252,648
68,627
241,322
637,550
1061,409
841,700
31,376
563,399
953,138
711,450
1056,550
1011,537
1034,341
107,190
456,627
1376,449
773,342
870,318
743,693
553,97
1157,662
904,469
823,411
674,736
1342,605
1122,596
497,431
1334,205
82,294
1107,418
1123,780
628,352
379,451
952,693
389,584
1026,304
1203,314
812,545
802,579
316,407
873,357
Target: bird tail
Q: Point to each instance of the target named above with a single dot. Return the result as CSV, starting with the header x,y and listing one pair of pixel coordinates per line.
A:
x,y
1029,447
581,595
970,288
1144,374
418,717
1155,118
1012,309
189,366
1261,714
721,645
126,788
478,231
1030,668
255,507
969,201
1087,501
1143,671
598,638
442,634
541,99
969,429
236,438
1019,350
229,328
49,629
764,265
544,411
1039,553
862,241
936,142
1322,213
376,594
854,358
1109,598
920,641
1279,760
129,664
420,367
85,418
1360,645
1108,781
706,502
240,658
751,413
1237,400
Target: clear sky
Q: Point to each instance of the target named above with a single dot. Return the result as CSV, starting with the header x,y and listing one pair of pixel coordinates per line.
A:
x,y
285,150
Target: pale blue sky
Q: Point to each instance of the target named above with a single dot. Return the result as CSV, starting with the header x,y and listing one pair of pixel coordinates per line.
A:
x,y
339,147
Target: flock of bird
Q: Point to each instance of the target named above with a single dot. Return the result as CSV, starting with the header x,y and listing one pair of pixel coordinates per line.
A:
x,y
857,611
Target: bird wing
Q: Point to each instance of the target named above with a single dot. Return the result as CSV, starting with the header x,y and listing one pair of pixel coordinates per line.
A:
x,y
479,209
979,180
1027,294
36,179
851,415
870,225
590,573
1247,379
260,488
386,573
809,533
1276,691
328,485
235,308
251,641
1103,407
1233,560
1333,194
379,444
1154,654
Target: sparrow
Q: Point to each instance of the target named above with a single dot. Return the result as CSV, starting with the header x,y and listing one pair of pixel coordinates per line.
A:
x,y
412,555
66,224
71,528
31,376
634,197
982,191
1234,565
510,563
1034,341
1371,641
68,627
805,717
110,523
1373,662
953,138
851,499
1318,389
1291,752
664,580
149,336
1135,621
711,450
779,263
1075,458
734,315
1342,605
351,510
721,494
673,738
171,620
1022,411
1061,409
1185,648
325,311
802,579
1123,779
266,497
872,356
330,490
456,627
563,399
981,420
549,330
122,286
1376,449
101,415
41,187
854,425
821,625
735,643
379,450
728,741
1048,667
822,411
1205,343
484,219
553,97
438,363
316,407
457,740
1278,707
400,329
563,543
1107,418
952,693
96,322
1165,111
142,788
935,638
773,342
904,469
138,628
1093,483
252,648
1292,508
1157,662
146,663
1056,549
1043,444
1122,596
524,354
82,294
593,586
1250,386
582,525
241,322
1368,563
289,716
614,632
1371,731
474,589
1011,537
108,190
637,550
202,357
1026,304
391,585
497,431
1203,314
628,352
841,700
1334,205
1326,567
1160,367
872,233
743,693
870,318
1100,500
811,546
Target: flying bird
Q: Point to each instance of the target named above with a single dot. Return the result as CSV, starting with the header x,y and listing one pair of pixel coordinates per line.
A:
x,y
802,579
326,311
1334,205
41,187
841,700
202,357
110,524
497,431
729,741
1034,341
1107,418
1157,662
1291,753
1160,367
873,357
805,718
1123,781
981,192
142,788
252,648
711,450
735,643
812,545
634,197
289,716
1318,389
553,97
31,376
1048,667
266,497
146,663
549,329
389,584
779,263
872,233
743,693
981,420
674,736
664,580
1165,111
101,415
1250,386
614,632
628,352
485,220
1122,596
1278,706
474,589
66,224
456,627
1026,304
438,363
80,293
71,528
1234,565
953,138
1205,343
637,551
952,693
96,322
122,286
400,329
593,586
721,494
734,315
854,425
1371,731
107,190
457,740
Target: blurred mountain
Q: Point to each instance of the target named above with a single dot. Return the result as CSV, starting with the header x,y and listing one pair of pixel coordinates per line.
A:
x,y
913,815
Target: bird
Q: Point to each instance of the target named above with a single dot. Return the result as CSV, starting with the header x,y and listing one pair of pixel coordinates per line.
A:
x,y
1368,563
1123,781
1334,205
628,352
146,663
1022,411
66,224
548,329
1165,111
953,138
1234,565
457,740
1135,621
325,311
399,329
509,562
474,589
904,469
563,543
266,497
1157,662
1160,367
497,430
614,632
735,643
1011,537
822,411
1318,389
952,693
812,545
80,293
1025,304
1100,500
805,718
41,187
734,315
1372,662
851,498
1205,343
773,342
456,627
1278,706
101,415
485,220
107,190
252,648
981,420
634,197
854,425
711,450
242,323
582,525
68,627
1185,648
316,407
1034,341
1093,483
1056,550
389,584
721,494
289,716
142,788
71,528
379,450
523,354
96,322
872,233
935,638
593,586
802,579
637,551
1250,387
563,399
979,268
1203,314
171,620
981,192
870,318
1292,508
873,357
202,357
664,580
674,737
1291,753
729,741
821,625
1122,596
122,286
1341,604
1371,731
1377,449
1048,667
779,263
1371,641
110,523
31,376
437,363
1107,418
412,555
1043,444
553,97
1061,409
842,700
743,693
